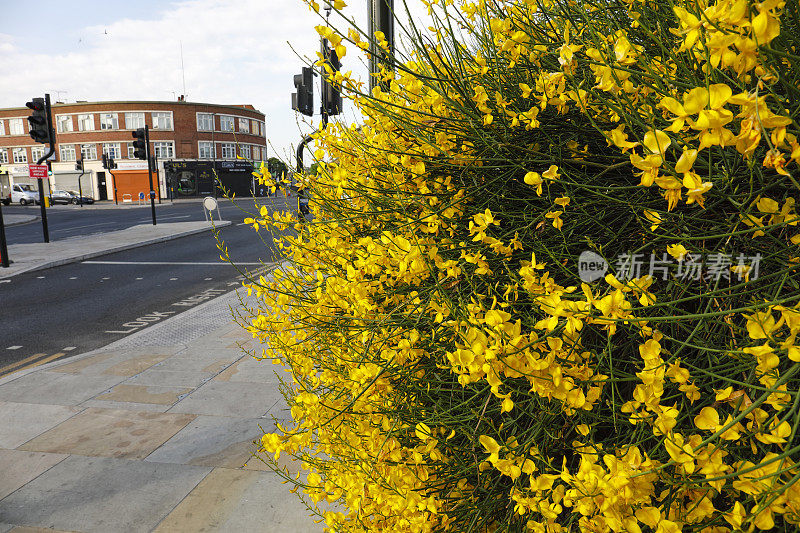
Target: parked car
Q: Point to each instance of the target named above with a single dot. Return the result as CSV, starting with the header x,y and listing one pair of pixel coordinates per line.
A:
x,y
77,199
63,197
24,194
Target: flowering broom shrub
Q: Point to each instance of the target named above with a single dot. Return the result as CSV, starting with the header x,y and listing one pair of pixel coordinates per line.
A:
x,y
551,280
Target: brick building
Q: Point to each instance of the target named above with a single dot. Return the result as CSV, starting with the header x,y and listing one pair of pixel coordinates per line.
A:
x,y
182,134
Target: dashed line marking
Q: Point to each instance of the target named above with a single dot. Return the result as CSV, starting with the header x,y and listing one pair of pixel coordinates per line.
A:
x,y
173,279
106,278
5,281
69,348
208,279
13,347
139,278
39,277
73,277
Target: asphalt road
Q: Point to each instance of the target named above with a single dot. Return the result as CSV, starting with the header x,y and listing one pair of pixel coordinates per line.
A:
x,y
83,306
66,221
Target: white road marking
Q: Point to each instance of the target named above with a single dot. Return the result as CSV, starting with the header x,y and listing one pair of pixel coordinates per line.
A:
x,y
73,277
5,281
208,279
175,216
106,278
139,278
69,348
13,347
178,263
173,279
39,277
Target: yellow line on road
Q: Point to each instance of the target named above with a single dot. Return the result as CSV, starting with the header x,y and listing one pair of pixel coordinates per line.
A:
x,y
22,362
8,370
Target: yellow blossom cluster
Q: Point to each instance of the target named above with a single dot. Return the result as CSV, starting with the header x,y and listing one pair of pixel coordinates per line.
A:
x,y
550,279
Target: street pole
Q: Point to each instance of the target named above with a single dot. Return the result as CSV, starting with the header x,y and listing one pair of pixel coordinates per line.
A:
x,y
45,157
380,17
80,190
4,262
150,173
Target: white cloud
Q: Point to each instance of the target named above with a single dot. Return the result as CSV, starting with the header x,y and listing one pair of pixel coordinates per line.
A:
x,y
234,51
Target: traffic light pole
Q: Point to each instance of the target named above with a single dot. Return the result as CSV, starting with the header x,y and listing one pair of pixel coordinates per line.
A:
x,y
45,157
150,173
4,262
80,190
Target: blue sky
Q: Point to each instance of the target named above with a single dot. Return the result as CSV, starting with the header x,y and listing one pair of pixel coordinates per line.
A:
x,y
235,52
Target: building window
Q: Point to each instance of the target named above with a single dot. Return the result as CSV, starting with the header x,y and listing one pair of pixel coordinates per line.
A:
x,y
131,149
134,121
20,155
162,120
85,122
256,153
228,150
15,126
37,152
109,121
205,122
112,150
163,150
225,123
67,152
64,123
263,129
245,150
3,155
89,151
2,128
244,125
205,150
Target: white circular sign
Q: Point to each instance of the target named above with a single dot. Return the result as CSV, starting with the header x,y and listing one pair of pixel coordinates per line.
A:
x,y
209,203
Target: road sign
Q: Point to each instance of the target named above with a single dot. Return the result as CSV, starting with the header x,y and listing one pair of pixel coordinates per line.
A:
x,y
141,196
37,171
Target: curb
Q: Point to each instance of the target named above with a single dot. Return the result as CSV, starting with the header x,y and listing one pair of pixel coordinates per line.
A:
x,y
98,253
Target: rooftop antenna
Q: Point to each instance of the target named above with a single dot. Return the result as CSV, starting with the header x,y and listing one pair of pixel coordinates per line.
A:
x,y
58,95
183,72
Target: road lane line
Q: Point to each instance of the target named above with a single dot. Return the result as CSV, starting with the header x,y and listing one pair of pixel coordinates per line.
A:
x,y
39,362
13,347
21,362
176,263
69,348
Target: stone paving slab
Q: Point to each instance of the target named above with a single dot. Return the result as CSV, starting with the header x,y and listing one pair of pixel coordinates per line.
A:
x,y
20,422
101,494
235,501
248,400
216,442
170,378
110,433
55,388
151,394
19,467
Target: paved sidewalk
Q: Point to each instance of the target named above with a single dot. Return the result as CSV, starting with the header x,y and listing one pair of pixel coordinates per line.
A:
x,y
154,432
38,256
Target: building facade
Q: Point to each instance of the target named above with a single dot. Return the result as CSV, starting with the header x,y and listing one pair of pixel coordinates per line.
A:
x,y
182,134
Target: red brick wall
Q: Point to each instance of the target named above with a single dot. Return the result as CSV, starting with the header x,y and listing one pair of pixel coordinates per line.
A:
x,y
184,134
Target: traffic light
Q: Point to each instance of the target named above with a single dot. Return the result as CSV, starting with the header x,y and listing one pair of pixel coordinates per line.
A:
x,y
108,162
79,164
303,99
331,95
140,144
39,121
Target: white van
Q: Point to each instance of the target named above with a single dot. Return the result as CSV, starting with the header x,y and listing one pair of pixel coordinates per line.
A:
x,y
24,194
